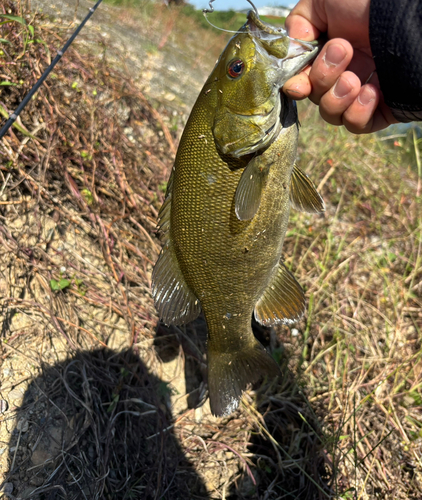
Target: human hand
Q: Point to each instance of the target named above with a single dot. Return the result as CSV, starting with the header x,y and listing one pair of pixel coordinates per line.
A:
x,y
342,79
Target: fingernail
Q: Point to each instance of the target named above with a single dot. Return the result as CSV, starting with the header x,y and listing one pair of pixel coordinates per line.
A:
x,y
341,88
366,95
295,94
334,55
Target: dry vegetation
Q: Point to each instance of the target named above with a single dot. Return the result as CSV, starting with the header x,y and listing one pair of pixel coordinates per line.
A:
x,y
100,401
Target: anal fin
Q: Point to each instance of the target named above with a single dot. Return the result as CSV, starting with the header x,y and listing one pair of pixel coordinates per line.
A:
x,y
174,300
283,301
303,194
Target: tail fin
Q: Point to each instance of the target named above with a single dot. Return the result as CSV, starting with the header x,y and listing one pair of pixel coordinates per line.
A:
x,y
230,372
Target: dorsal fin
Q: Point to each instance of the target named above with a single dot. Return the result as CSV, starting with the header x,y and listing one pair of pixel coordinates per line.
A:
x,y
283,301
303,194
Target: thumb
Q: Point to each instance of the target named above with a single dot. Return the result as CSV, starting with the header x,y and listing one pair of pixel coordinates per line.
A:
x,y
304,21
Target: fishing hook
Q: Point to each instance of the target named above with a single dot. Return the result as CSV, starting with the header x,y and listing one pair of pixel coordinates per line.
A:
x,y
211,8
59,55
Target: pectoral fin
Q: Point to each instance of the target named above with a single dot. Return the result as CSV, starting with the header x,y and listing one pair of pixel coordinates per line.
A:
x,y
249,189
282,302
303,194
174,300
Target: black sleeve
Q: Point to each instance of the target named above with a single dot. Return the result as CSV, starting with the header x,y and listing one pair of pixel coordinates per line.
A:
x,y
395,32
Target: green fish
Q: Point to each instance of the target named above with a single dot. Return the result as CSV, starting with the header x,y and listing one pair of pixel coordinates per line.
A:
x,y
227,207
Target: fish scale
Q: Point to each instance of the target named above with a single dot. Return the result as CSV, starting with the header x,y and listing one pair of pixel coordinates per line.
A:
x,y
227,209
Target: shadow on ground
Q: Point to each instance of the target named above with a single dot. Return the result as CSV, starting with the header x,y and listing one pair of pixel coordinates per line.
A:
x,y
286,449
97,426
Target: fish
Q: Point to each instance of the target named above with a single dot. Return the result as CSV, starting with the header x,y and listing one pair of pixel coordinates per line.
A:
x,y
227,206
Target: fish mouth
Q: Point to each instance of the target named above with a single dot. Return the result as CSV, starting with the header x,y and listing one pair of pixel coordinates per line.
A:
x,y
298,53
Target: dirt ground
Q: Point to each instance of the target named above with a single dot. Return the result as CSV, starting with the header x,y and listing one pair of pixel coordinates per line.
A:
x,y
100,400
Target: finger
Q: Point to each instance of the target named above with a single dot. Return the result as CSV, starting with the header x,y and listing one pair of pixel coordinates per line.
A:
x,y
306,21
383,118
298,87
358,118
367,113
338,99
328,66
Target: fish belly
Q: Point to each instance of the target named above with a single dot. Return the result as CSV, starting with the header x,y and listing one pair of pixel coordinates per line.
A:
x,y
227,262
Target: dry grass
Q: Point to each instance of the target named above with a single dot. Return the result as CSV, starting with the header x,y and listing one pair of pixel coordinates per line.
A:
x,y
361,263
105,404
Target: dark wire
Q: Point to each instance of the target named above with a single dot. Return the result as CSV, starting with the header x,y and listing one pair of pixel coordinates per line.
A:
x,y
59,55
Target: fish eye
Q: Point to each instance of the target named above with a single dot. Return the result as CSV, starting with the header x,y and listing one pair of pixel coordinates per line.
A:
x,y
235,68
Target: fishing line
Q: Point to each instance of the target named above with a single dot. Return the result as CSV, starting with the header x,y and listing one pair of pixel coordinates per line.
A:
x,y
216,27
207,11
211,9
59,55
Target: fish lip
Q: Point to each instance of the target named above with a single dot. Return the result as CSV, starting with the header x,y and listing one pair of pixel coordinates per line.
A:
x,y
298,48
300,54
256,26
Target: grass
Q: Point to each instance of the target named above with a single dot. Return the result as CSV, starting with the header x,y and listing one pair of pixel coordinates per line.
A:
x,y
362,272
79,198
224,19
